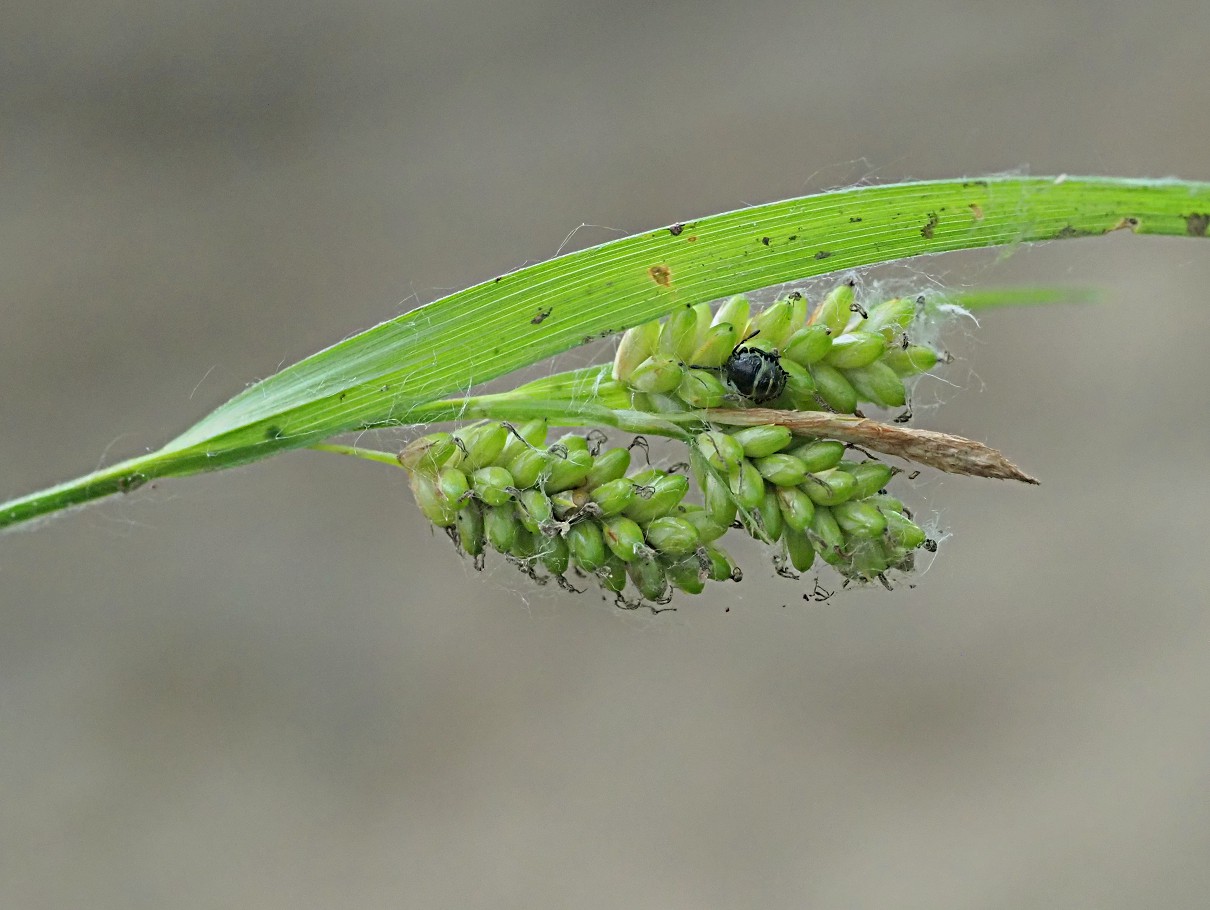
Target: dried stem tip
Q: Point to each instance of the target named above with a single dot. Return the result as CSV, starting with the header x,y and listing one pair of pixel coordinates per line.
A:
x,y
952,454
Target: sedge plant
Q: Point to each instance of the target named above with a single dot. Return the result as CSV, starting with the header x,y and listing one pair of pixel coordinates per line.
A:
x,y
769,403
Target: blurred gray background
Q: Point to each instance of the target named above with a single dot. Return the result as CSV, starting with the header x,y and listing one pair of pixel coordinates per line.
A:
x,y
275,688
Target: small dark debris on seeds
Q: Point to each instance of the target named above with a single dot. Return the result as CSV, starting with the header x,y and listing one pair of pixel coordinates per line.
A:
x,y
640,442
596,439
541,315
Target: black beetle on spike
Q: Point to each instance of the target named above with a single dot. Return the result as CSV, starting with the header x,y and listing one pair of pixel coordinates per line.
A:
x,y
755,373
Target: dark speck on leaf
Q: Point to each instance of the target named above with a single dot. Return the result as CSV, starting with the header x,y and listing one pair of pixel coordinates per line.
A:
x,y
1197,223
823,254
792,238
1070,230
131,482
854,219
676,229
273,432
765,241
930,226
540,316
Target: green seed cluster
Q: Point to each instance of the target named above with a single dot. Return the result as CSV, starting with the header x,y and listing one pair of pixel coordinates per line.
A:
x,y
804,494
567,507
845,353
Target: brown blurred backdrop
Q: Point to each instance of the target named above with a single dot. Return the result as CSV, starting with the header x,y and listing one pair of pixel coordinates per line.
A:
x,y
275,688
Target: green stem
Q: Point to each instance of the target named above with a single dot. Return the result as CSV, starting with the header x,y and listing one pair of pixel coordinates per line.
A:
x,y
124,477
560,413
356,452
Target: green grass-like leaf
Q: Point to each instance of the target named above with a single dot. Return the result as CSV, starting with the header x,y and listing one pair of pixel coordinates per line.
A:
x,y
976,299
396,372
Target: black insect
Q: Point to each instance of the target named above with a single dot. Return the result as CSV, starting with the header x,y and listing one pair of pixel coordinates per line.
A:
x,y
754,373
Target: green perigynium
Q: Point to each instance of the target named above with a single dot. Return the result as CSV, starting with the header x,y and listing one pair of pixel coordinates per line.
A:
x,y
571,510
